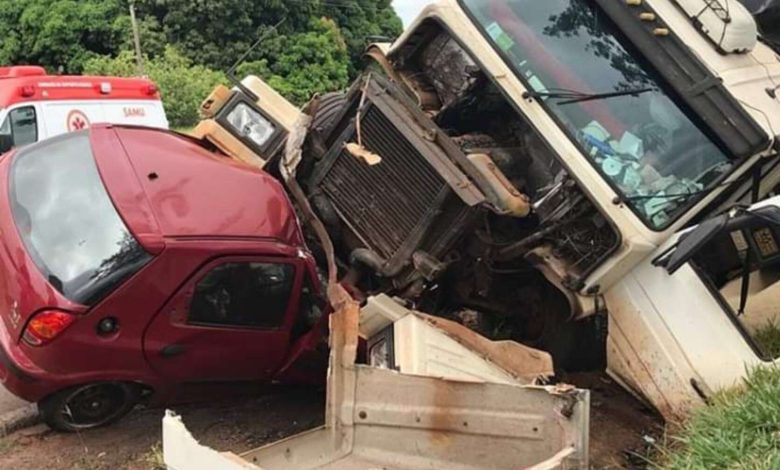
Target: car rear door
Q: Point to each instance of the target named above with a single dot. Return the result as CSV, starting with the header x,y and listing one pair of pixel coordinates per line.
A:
x,y
231,321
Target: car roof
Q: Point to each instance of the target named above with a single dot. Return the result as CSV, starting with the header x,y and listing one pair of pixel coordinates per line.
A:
x,y
189,190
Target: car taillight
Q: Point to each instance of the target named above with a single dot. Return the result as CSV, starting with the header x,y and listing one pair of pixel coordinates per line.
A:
x,y
45,326
150,90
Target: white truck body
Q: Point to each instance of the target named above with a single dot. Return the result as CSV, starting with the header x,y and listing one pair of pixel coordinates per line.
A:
x,y
462,415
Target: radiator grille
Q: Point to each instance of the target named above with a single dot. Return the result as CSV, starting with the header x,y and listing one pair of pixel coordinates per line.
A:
x,y
385,204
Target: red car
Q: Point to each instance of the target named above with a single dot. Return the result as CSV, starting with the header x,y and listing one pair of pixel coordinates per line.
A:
x,y
134,261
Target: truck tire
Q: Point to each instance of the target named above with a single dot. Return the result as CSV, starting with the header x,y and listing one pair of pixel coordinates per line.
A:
x,y
89,406
327,111
323,121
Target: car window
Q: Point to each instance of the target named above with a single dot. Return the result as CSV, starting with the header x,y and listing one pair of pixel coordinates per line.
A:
x,y
68,222
253,295
19,128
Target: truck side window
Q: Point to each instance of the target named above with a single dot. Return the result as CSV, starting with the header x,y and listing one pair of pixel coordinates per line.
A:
x,y
253,295
19,128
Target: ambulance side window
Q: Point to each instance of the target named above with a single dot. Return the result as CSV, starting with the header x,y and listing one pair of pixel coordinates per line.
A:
x,y
19,128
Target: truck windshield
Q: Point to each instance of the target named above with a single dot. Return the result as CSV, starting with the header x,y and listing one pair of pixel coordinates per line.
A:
x,y
67,220
611,103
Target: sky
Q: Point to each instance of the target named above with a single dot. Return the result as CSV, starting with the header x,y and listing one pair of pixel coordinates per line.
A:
x,y
408,9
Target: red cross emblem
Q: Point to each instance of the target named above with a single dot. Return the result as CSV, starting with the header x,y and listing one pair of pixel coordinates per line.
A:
x,y
77,121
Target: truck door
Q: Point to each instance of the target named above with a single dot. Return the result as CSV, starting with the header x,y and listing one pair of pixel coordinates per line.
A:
x,y
232,321
676,333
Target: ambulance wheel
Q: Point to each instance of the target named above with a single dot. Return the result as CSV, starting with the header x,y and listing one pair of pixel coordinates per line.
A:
x,y
89,406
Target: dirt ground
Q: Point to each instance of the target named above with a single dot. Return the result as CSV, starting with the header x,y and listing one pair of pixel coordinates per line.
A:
x,y
622,429
618,424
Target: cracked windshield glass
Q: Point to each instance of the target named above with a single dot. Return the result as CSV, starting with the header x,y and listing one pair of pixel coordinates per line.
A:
x,y
608,100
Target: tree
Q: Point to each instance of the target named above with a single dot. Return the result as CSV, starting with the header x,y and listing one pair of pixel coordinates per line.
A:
x,y
313,62
60,34
362,22
216,32
183,85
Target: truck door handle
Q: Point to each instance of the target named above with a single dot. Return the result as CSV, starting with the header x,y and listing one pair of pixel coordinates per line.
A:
x,y
173,350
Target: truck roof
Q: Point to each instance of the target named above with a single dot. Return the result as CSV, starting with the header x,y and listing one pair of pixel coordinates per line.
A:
x,y
192,192
27,83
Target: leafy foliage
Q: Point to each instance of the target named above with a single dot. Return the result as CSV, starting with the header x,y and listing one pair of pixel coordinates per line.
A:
x,y
311,62
61,35
363,22
216,32
183,85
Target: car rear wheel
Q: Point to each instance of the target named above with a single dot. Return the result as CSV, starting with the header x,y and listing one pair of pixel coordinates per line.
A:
x,y
89,406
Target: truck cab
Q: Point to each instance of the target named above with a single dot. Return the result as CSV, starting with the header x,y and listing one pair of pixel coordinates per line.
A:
x,y
511,165
35,105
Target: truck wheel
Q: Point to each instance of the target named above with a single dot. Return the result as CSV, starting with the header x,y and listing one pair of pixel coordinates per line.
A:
x,y
88,406
324,117
327,112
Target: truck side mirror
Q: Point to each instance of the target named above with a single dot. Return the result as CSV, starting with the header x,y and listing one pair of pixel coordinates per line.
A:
x,y
692,243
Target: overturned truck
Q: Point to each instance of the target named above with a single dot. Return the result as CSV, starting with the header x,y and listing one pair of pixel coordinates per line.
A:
x,y
532,170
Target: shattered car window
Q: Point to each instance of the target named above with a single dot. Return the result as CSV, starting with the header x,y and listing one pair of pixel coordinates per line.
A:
x,y
648,147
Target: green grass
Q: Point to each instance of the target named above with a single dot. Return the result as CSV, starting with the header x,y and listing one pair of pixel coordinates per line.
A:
x,y
740,431
769,339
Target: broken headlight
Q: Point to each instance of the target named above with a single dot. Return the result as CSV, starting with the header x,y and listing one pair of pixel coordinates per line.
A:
x,y
248,123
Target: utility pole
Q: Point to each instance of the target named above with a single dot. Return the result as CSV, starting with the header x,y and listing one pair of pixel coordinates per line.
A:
x,y
137,40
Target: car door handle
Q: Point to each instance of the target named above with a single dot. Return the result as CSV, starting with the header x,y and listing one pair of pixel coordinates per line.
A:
x,y
173,350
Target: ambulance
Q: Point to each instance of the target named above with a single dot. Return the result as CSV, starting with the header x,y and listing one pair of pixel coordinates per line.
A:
x,y
35,105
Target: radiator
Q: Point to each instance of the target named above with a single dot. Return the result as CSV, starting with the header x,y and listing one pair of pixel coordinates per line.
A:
x,y
393,207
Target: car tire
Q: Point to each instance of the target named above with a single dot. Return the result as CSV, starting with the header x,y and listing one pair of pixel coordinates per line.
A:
x,y
89,406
